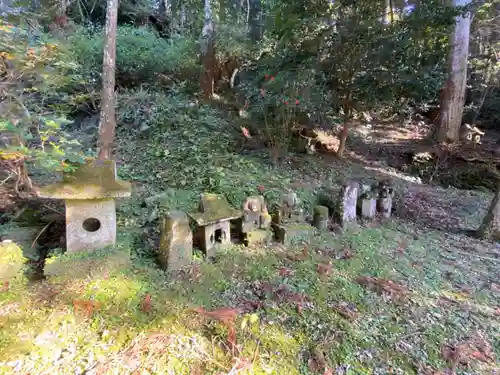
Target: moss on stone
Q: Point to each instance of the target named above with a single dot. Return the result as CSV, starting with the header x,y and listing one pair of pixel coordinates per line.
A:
x,y
95,180
213,209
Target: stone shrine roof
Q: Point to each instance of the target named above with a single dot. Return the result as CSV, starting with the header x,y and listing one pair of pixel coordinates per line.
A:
x,y
95,180
214,209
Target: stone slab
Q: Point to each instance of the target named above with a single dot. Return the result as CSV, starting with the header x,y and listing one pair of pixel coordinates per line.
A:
x,y
176,242
288,234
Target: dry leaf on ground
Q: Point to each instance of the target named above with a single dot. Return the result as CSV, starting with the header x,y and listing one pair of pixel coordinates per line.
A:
x,y
146,304
382,286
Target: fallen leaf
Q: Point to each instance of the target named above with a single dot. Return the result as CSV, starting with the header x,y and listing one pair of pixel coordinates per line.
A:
x,y
87,307
382,286
304,254
347,253
324,269
5,287
249,306
223,314
402,246
317,362
231,337
285,272
346,311
146,304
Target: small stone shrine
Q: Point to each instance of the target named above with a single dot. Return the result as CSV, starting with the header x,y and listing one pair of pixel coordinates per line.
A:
x,y
288,221
348,203
89,194
213,227
256,221
176,241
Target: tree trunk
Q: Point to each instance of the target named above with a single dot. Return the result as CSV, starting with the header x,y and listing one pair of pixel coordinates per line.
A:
x,y
453,98
207,47
345,132
107,121
255,20
490,227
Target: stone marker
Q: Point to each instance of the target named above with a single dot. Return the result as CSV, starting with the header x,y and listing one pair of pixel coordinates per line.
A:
x,y
176,241
256,221
348,202
89,194
320,217
368,207
288,221
213,227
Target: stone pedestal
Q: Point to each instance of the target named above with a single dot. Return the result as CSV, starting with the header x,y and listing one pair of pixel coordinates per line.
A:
x,y
89,195
260,236
176,242
288,224
368,208
290,234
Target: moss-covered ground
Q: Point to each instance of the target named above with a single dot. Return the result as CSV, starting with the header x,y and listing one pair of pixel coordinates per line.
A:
x,y
410,295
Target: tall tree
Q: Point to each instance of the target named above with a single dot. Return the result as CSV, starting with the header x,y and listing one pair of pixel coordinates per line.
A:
x,y
490,227
207,47
255,20
453,94
107,121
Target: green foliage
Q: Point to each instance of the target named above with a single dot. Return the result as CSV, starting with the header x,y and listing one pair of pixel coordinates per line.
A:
x,y
33,70
140,55
366,63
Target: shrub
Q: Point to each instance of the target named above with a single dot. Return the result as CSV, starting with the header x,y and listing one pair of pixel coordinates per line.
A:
x,y
29,125
140,55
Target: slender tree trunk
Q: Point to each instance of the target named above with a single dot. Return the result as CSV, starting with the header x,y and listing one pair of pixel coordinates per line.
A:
x,y
255,20
345,132
388,12
107,121
207,47
453,98
490,227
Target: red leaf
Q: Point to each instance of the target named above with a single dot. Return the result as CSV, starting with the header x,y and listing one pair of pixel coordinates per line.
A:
x,y
245,132
285,272
146,304
87,307
261,188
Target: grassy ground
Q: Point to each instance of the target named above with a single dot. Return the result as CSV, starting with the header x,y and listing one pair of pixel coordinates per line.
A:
x,y
410,295
310,315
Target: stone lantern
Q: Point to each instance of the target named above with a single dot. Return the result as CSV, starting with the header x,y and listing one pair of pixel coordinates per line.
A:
x,y
89,195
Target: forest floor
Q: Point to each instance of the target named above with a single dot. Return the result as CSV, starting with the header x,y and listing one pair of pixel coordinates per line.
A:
x,y
413,294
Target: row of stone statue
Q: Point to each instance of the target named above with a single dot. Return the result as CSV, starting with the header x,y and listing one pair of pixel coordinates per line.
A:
x,y
218,224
